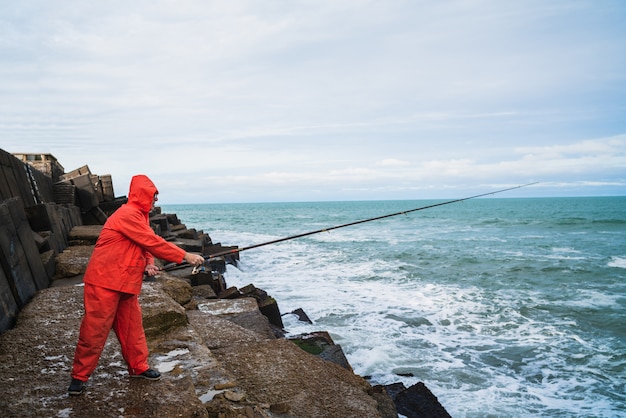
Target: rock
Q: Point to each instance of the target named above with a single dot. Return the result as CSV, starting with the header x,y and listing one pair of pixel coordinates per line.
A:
x,y
386,405
49,263
41,241
321,344
162,222
280,407
269,308
256,322
204,291
160,314
219,264
302,316
227,385
334,353
242,311
217,332
72,261
191,245
393,389
185,233
178,289
277,371
234,396
230,293
419,402
84,234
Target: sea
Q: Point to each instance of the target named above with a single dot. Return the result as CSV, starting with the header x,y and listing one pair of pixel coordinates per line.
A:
x,y
503,307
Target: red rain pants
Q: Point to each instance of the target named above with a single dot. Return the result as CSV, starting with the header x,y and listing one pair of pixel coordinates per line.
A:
x,y
106,309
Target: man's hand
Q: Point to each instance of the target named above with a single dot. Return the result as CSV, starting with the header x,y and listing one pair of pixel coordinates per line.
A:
x,y
152,270
194,259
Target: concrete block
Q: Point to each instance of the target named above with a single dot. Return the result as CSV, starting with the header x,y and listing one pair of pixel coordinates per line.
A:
x,y
13,258
87,196
8,306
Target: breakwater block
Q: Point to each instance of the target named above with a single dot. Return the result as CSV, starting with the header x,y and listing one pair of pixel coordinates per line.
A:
x,y
198,279
108,194
219,283
173,220
190,245
159,314
26,239
321,344
84,234
19,255
269,308
302,316
230,258
202,278
163,225
80,171
94,216
15,182
49,263
8,306
72,261
211,278
54,222
85,191
108,207
417,401
186,233
218,264
230,293
177,228
41,241
267,304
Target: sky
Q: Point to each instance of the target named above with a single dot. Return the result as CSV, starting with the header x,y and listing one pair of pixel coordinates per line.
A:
x,y
275,100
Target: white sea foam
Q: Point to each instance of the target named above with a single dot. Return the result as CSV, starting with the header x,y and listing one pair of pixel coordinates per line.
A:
x,y
619,262
564,253
589,298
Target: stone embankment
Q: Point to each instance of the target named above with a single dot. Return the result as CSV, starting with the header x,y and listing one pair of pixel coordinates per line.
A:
x,y
221,350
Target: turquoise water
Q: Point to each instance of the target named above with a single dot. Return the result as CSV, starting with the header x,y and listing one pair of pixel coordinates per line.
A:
x,y
503,307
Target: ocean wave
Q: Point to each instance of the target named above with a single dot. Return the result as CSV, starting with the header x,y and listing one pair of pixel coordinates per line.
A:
x,y
619,262
609,221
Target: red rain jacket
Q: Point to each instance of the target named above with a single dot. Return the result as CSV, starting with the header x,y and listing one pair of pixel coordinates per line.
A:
x,y
127,244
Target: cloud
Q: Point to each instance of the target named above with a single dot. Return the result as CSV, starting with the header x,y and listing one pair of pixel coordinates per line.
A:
x,y
319,100
602,147
392,162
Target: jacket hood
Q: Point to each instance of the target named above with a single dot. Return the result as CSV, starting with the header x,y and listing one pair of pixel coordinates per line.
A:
x,y
141,192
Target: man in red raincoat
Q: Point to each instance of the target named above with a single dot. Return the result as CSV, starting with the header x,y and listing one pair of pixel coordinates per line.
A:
x,y
125,250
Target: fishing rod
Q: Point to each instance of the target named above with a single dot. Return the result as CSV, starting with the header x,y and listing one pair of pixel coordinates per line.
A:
x,y
404,212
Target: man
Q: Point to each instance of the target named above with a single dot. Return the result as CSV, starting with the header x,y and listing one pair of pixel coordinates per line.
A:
x,y
125,250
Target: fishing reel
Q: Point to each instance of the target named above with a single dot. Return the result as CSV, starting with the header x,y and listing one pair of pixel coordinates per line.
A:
x,y
198,269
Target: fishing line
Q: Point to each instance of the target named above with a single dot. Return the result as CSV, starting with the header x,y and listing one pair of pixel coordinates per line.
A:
x,y
318,231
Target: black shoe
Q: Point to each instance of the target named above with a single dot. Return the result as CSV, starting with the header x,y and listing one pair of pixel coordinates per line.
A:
x,y
149,374
76,387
